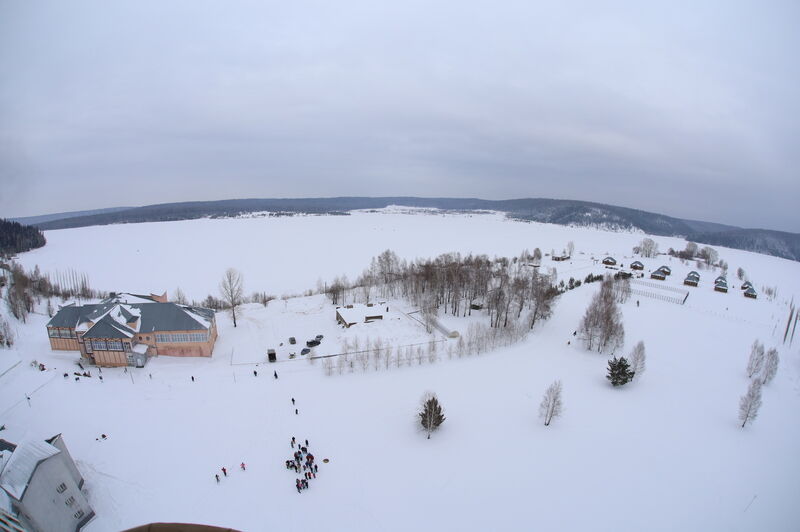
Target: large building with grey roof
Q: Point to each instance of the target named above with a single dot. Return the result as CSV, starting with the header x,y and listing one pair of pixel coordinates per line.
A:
x,y
125,329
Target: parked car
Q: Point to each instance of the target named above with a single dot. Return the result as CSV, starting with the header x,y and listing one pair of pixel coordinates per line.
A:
x,y
305,351
312,343
292,340
271,356
320,337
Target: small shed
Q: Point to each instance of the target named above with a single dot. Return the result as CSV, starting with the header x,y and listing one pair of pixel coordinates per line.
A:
x,y
610,261
751,293
694,274
746,285
666,269
271,355
353,314
659,275
636,265
721,286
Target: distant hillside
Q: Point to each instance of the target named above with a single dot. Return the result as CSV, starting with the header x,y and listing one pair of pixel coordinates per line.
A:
x,y
33,220
563,212
16,238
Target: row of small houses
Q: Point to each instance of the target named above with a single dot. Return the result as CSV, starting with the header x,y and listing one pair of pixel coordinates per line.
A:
x,y
692,279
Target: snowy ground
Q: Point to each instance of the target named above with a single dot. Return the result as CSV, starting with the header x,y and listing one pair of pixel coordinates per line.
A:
x,y
665,453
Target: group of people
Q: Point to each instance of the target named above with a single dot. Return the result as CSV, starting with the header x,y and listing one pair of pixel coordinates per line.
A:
x,y
302,462
224,470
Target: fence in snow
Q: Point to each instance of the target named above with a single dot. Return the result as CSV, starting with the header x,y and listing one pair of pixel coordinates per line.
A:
x,y
661,297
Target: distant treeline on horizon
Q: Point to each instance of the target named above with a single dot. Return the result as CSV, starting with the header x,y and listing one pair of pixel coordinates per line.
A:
x,y
562,212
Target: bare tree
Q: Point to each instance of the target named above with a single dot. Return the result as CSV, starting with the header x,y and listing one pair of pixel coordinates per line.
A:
x,y
750,403
231,289
601,327
179,296
756,361
771,361
637,358
551,405
570,248
537,256
647,248
431,415
709,255
740,273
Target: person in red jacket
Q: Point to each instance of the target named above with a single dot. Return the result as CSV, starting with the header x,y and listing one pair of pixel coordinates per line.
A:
x,y
224,471
243,467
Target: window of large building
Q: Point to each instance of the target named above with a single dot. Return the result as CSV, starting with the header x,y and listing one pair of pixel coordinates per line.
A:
x,y
61,488
70,501
182,337
114,345
99,345
78,514
53,332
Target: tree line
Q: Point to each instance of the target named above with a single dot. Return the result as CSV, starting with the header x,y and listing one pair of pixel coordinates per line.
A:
x,y
17,238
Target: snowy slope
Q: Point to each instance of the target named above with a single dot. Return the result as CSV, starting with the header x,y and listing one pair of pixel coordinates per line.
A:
x,y
664,453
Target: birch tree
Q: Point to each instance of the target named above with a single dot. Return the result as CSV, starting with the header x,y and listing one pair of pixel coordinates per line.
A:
x,y
750,403
637,357
551,405
756,361
771,361
231,289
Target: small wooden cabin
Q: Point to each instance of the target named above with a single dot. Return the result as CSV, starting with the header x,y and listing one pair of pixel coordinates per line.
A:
x,y
636,265
610,261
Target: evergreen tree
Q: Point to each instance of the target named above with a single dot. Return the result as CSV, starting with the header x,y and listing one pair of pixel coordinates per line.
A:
x,y
619,371
16,238
431,415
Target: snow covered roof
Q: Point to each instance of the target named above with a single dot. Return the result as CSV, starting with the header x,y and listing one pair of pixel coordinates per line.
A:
x,y
666,269
693,274
171,317
140,348
108,327
636,263
23,462
750,290
359,313
148,317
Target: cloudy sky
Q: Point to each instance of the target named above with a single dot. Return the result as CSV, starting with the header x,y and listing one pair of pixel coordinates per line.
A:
x,y
684,108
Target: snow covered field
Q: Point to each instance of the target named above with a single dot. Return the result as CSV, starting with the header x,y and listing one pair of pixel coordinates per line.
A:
x,y
663,453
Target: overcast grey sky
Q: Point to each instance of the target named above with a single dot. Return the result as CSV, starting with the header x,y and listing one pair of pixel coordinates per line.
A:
x,y
685,108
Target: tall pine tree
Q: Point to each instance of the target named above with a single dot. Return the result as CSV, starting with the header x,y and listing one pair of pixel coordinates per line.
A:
x,y
431,415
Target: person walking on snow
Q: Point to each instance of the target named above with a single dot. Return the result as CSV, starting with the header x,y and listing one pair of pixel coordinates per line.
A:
x,y
255,373
243,467
292,400
224,471
217,477
276,374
